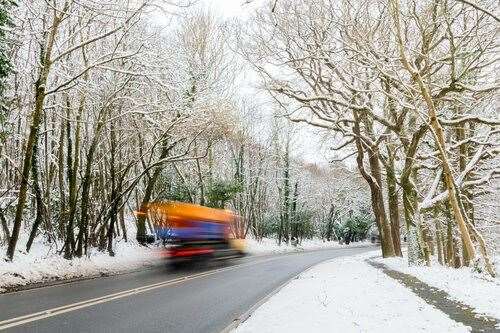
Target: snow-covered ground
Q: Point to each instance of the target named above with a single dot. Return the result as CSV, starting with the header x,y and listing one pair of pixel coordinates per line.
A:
x,y
347,295
270,245
43,264
476,290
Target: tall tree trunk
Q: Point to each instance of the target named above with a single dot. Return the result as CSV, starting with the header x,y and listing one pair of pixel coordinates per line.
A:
x,y
286,195
122,223
73,165
36,116
439,245
87,180
374,180
378,197
151,182
438,133
413,221
462,163
115,202
410,196
60,177
392,195
84,217
40,216
49,175
201,185
293,214
5,226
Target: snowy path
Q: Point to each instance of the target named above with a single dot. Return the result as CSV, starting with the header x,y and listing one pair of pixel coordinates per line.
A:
x,y
463,285
458,311
347,295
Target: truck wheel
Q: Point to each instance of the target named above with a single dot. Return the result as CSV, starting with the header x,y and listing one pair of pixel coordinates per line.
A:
x,y
174,265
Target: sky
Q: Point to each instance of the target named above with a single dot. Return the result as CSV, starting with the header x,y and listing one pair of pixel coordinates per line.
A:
x,y
308,144
232,8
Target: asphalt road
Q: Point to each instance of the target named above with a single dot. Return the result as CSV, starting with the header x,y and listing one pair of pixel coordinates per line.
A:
x,y
205,299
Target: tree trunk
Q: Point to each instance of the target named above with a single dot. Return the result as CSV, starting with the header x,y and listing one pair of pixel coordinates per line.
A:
x,y
200,177
438,133
115,202
60,177
141,219
122,223
379,206
28,154
5,226
374,180
40,216
286,196
393,204
87,179
413,222
450,246
439,245
73,165
36,116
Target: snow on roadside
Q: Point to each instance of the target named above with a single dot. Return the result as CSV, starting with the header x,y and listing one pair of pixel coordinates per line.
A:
x,y
43,265
270,245
473,289
347,295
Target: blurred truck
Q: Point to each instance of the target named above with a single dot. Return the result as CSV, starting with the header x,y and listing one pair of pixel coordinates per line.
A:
x,y
192,232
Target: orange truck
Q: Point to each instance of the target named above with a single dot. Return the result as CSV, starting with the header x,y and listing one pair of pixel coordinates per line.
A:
x,y
193,232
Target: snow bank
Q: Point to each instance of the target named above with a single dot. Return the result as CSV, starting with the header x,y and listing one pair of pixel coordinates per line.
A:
x,y
347,295
473,289
270,245
43,264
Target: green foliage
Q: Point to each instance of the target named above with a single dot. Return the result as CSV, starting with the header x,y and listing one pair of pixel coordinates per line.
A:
x,y
171,188
302,225
269,227
355,228
220,192
5,23
178,192
5,63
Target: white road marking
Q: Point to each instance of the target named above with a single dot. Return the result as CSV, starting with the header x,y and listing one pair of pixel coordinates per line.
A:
x,y
21,320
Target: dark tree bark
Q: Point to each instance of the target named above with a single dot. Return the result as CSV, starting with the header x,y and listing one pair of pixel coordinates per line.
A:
x,y
36,117
5,226
87,180
40,216
374,180
72,165
393,203
151,181
60,178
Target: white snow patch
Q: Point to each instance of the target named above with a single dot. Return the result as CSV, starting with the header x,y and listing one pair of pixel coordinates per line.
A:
x,y
347,295
42,264
463,285
270,245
